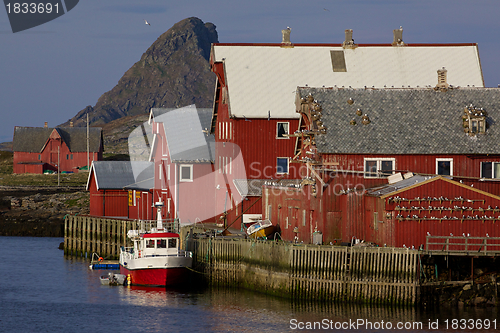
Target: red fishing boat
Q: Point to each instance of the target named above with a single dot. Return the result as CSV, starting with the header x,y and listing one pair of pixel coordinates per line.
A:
x,y
155,259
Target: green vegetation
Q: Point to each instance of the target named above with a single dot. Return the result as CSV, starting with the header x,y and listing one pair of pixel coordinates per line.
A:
x,y
82,201
10,179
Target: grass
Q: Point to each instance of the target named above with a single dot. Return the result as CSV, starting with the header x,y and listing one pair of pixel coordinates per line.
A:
x,y
27,179
78,202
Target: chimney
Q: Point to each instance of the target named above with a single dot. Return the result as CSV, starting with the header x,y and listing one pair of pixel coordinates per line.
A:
x,y
398,36
70,124
442,80
285,40
45,125
348,42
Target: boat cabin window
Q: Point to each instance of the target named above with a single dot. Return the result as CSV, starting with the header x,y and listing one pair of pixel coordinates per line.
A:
x,y
150,243
161,244
172,242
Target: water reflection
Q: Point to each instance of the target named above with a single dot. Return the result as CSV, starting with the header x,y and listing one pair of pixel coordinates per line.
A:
x,y
220,309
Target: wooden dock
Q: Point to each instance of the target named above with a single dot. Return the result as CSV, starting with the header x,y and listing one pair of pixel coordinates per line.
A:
x,y
304,272
330,273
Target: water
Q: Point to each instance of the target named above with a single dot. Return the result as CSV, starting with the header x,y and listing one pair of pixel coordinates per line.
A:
x,y
41,291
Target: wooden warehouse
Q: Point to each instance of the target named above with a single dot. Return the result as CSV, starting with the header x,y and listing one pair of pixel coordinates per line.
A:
x,y
355,140
121,189
256,83
37,149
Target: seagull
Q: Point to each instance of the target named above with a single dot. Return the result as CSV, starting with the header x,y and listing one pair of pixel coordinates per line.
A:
x,y
288,28
146,22
326,10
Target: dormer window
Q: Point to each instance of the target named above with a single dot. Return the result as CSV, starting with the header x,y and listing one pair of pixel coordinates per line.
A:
x,y
474,120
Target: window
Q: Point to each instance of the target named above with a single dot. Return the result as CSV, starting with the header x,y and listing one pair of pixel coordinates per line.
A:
x,y
161,244
379,167
172,243
186,173
281,130
444,166
150,243
39,157
474,120
282,165
338,61
490,169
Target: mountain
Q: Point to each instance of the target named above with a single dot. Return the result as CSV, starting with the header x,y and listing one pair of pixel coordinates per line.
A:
x,y
173,72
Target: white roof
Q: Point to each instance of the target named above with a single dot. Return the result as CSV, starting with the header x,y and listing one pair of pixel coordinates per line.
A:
x,y
262,78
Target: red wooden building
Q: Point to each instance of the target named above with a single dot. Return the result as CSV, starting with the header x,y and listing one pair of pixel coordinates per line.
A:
x,y
354,141
121,189
183,155
37,149
256,85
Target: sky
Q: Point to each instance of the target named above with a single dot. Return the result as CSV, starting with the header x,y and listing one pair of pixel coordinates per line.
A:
x,y
52,71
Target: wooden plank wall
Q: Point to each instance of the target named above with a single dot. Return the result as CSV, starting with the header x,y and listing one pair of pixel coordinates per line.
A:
x,y
330,273
85,235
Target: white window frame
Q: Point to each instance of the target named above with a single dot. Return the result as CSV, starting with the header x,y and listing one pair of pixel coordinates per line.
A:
x,y
379,161
287,165
190,166
492,170
444,160
288,129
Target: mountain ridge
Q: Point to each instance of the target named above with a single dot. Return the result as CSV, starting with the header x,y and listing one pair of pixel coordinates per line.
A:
x,y
173,72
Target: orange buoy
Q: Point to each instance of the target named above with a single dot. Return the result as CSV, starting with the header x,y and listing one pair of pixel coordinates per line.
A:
x,y
100,259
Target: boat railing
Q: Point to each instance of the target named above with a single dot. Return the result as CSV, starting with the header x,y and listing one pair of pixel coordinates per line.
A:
x,y
130,253
169,225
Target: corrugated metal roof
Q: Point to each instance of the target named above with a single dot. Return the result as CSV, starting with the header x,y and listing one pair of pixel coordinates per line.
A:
x,y
398,186
33,139
405,121
123,174
264,78
184,130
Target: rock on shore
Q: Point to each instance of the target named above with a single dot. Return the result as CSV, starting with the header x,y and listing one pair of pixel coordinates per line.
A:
x,y
39,211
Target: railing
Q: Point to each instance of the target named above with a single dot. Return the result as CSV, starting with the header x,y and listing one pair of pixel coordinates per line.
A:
x,y
462,244
84,234
128,253
169,225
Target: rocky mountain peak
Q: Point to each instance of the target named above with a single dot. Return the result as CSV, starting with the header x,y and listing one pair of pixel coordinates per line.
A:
x,y
173,72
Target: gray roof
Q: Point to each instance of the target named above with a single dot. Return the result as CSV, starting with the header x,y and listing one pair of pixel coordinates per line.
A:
x,y
110,175
33,139
405,121
398,186
186,140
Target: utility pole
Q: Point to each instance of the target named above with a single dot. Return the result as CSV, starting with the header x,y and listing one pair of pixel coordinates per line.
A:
x,y
88,159
58,164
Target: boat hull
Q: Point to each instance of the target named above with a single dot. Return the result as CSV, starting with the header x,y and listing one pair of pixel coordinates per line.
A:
x,y
155,276
263,232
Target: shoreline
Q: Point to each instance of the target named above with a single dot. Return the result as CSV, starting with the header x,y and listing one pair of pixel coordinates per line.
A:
x,y
38,211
